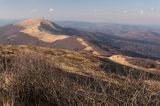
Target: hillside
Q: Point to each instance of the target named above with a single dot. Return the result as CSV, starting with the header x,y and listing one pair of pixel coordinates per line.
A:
x,y
122,50
151,66
131,40
44,33
33,75
79,52
99,39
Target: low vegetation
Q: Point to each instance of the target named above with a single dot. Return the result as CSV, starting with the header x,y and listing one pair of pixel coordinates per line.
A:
x,y
31,76
147,63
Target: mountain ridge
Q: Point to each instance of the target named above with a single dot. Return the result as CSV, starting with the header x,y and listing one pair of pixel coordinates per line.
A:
x,y
45,33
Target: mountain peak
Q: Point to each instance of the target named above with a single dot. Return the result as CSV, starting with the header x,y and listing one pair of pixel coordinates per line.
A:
x,y
39,24
33,22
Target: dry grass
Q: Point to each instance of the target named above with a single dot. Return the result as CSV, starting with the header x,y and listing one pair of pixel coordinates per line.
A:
x,y
150,66
31,27
29,78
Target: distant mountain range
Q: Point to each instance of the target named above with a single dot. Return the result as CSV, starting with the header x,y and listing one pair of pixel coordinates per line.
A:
x,y
143,41
144,33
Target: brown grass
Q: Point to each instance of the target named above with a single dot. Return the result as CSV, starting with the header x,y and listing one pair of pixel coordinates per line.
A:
x,y
32,79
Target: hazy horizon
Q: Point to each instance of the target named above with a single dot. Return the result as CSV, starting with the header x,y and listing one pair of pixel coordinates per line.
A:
x,y
141,12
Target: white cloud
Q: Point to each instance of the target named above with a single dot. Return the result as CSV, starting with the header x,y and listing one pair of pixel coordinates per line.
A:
x,y
152,9
142,12
51,10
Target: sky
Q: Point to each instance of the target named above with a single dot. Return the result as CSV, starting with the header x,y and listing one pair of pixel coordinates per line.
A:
x,y
113,11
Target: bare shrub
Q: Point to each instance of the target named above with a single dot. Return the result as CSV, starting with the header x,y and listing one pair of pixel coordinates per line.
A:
x,y
30,79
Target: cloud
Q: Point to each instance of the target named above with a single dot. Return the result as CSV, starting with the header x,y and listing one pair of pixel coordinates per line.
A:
x,y
152,9
50,10
142,12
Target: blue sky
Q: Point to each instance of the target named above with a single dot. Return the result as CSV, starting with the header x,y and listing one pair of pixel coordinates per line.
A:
x,y
117,11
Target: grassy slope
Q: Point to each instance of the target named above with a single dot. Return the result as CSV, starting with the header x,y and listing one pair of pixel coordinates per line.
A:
x,y
93,79
127,61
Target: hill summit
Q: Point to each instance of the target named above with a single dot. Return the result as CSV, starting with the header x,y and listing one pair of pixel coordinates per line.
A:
x,y
43,32
41,29
40,23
